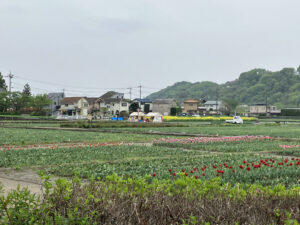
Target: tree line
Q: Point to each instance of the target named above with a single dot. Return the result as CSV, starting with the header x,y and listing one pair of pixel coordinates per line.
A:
x,y
280,88
22,102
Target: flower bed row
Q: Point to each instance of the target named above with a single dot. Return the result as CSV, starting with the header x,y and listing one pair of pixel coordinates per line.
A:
x,y
203,118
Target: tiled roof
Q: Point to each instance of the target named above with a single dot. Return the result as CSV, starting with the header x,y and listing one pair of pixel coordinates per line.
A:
x,y
108,95
69,100
191,101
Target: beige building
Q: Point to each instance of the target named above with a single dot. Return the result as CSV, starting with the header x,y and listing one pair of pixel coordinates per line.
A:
x,y
190,106
163,106
263,109
74,106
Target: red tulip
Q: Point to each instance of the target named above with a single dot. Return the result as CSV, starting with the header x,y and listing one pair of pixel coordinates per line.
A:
x,y
154,174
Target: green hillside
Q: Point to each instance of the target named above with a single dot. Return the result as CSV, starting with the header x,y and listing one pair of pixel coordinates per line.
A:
x,y
281,88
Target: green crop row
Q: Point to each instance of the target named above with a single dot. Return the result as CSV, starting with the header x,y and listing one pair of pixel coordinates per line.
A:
x,y
137,161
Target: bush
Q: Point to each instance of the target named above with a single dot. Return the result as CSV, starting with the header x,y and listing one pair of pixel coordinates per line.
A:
x,y
149,201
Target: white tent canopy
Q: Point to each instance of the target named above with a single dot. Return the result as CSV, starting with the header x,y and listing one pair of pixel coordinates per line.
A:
x,y
157,117
154,114
137,114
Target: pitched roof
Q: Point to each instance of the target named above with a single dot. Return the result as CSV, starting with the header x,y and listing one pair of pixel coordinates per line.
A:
x,y
143,100
69,100
191,101
164,101
91,100
115,100
108,94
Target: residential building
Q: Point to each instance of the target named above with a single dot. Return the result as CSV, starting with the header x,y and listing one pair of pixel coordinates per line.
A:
x,y
163,106
117,106
74,106
114,103
145,105
190,106
56,99
257,109
213,107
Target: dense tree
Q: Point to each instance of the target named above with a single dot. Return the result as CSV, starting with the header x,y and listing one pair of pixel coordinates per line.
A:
x,y
134,107
281,88
27,90
2,82
230,105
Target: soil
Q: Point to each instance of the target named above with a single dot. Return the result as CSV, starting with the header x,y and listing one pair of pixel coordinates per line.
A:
x,y
11,178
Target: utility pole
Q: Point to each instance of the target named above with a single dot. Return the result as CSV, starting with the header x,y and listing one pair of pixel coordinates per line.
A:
x,y
217,102
130,89
140,86
10,76
266,102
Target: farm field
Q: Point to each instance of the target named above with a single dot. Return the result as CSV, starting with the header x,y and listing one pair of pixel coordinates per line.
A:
x,y
274,130
231,169
16,136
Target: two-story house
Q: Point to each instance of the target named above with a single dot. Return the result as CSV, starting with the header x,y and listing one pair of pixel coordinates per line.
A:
x,y
190,106
214,107
114,103
74,106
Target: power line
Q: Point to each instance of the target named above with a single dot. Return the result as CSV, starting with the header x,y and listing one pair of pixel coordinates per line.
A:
x,y
64,85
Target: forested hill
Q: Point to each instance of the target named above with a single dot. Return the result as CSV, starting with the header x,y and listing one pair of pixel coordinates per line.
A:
x,y
282,88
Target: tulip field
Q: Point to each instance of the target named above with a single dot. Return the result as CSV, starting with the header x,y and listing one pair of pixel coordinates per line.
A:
x,y
244,174
247,159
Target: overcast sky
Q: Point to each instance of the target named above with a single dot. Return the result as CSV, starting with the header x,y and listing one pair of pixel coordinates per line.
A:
x,y
90,46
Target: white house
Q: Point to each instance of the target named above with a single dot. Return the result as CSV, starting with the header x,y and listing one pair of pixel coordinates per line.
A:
x,y
213,106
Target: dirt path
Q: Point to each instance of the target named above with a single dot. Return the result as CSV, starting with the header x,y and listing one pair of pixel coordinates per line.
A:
x,y
10,184
11,178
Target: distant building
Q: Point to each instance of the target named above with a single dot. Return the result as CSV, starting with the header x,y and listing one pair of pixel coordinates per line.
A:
x,y
56,102
190,106
114,103
163,106
74,106
213,107
257,109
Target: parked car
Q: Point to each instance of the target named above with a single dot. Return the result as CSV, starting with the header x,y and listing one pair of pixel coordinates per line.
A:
x,y
235,120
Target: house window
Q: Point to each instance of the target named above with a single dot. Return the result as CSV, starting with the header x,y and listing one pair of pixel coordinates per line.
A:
x,y
85,105
124,104
66,105
113,104
54,103
191,104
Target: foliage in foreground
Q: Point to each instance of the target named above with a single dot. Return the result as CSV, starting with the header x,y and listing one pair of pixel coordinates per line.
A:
x,y
150,201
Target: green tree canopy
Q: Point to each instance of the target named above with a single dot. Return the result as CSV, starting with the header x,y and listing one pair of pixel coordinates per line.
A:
x,y
27,90
2,82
